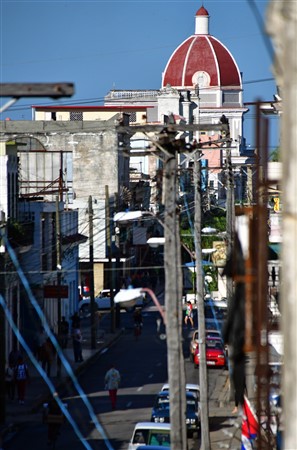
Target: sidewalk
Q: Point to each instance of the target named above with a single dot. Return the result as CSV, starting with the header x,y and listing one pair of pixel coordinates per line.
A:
x,y
38,391
224,427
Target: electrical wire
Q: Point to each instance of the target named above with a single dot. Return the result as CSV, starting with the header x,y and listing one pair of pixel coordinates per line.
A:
x,y
54,341
98,101
43,373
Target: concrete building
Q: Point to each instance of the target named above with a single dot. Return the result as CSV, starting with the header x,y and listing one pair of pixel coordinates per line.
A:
x,y
10,286
76,160
40,263
30,225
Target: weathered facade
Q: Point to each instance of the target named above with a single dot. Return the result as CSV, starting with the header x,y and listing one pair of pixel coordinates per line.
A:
x,y
75,161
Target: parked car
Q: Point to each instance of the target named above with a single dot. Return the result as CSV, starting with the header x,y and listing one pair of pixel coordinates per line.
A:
x,y
103,302
214,334
148,434
161,411
190,387
215,354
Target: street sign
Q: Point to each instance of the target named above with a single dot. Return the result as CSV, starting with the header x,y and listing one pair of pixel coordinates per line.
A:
x,y
55,291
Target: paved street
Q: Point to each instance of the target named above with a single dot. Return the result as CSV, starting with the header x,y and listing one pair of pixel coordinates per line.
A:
x,y
143,366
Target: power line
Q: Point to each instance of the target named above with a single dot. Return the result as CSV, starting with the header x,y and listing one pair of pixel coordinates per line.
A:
x,y
101,99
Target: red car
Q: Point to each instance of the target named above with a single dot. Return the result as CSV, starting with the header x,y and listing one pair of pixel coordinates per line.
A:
x,y
215,354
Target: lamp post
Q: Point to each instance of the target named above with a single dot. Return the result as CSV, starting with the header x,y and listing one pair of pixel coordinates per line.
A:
x,y
128,297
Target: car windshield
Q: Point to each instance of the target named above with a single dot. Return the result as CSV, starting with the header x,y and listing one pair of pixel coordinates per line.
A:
x,y
213,344
191,407
162,403
161,438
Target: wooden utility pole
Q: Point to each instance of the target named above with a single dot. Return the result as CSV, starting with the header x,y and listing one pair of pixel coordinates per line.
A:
x,y
91,273
230,215
203,380
109,255
2,328
173,296
282,21
59,276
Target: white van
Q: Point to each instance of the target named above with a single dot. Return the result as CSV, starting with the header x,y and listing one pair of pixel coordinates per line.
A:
x,y
150,433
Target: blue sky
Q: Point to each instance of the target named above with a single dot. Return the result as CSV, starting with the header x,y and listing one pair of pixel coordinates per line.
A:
x,y
102,45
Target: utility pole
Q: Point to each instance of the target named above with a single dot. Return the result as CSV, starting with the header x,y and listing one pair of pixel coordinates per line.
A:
x,y
173,296
109,255
203,380
2,328
230,226
59,275
283,28
117,271
91,272
230,214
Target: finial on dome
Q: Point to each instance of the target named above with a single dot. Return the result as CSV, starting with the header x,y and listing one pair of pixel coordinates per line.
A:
x,y
201,21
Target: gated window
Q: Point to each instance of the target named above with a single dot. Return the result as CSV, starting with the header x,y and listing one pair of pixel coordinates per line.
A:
x,y
132,118
76,115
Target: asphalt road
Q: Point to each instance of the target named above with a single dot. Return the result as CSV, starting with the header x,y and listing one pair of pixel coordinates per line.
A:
x,y
142,363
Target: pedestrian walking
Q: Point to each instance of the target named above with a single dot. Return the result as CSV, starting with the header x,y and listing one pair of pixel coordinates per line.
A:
x,y
189,314
138,322
10,380
77,345
64,330
14,356
75,321
112,382
54,418
99,332
40,339
47,356
22,379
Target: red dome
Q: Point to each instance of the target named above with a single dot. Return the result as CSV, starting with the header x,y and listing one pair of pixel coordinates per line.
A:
x,y
201,60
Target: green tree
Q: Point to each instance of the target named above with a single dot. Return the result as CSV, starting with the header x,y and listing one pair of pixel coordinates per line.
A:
x,y
275,155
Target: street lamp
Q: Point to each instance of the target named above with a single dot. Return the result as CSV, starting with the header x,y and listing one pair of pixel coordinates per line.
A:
x,y
128,298
154,242
208,230
127,216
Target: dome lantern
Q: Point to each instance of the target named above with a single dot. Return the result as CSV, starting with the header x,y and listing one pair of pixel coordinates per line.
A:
x,y
202,21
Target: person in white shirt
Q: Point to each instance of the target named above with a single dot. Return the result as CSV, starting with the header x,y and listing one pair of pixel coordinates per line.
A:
x,y
112,382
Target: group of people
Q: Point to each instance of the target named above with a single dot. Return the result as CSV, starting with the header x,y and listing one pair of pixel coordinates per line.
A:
x,y
17,373
45,350
16,376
